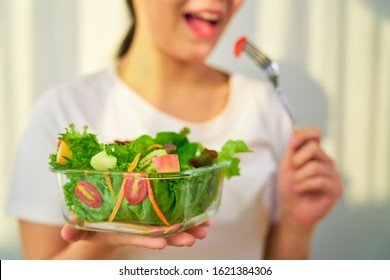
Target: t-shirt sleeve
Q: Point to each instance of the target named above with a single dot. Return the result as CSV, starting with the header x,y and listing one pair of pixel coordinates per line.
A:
x,y
33,192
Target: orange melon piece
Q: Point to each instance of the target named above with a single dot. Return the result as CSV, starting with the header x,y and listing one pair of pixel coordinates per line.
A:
x,y
63,152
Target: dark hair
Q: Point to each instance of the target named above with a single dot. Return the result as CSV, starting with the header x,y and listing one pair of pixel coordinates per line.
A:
x,y
125,45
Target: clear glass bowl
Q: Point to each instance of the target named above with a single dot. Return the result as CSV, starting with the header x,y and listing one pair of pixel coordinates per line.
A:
x,y
141,203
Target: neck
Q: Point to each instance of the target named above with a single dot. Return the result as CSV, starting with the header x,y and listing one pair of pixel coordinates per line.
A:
x,y
169,83
146,68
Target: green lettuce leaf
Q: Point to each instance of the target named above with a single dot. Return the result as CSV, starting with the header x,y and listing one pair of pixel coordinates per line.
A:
x,y
228,152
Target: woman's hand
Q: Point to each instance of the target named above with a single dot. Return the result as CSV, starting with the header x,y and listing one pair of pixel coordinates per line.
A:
x,y
187,238
309,184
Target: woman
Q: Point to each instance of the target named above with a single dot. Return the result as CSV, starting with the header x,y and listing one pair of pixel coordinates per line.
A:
x,y
161,82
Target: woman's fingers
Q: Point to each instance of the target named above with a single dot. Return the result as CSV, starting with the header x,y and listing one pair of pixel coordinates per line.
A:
x,y
298,142
315,172
317,176
71,234
300,136
199,232
156,243
183,239
309,151
311,169
319,184
188,238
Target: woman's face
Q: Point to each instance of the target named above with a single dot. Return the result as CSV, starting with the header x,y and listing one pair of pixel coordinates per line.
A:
x,y
185,29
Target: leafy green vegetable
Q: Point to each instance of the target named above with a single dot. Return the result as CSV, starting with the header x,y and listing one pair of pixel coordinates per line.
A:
x,y
179,198
83,146
229,149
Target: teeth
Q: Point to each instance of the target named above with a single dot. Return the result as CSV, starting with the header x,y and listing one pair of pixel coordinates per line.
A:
x,y
207,16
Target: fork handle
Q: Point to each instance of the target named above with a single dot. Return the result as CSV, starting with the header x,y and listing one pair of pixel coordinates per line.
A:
x,y
283,100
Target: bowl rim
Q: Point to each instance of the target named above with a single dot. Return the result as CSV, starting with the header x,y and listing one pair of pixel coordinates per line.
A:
x,y
145,175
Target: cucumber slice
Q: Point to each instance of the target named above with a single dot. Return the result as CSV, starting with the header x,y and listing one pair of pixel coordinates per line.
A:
x,y
103,162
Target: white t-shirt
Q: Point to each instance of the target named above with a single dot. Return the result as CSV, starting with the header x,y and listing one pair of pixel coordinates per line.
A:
x,y
115,112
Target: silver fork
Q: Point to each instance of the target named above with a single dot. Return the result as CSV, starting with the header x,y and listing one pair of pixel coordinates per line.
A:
x,y
270,68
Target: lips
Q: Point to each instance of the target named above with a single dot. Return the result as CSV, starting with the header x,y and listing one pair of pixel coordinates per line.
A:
x,y
203,24
210,17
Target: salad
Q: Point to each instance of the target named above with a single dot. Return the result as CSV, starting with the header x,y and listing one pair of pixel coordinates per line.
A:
x,y
160,180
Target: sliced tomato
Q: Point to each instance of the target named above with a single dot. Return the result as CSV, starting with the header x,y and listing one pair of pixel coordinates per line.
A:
x,y
88,194
135,190
239,46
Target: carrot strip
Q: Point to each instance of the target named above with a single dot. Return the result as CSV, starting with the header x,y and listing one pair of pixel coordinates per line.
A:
x,y
134,163
109,185
155,206
118,203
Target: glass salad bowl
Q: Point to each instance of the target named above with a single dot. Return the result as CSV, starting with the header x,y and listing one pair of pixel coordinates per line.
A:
x,y
141,203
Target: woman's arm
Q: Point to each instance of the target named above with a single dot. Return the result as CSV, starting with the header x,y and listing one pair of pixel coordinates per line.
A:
x,y
39,242
288,242
51,242
45,242
308,187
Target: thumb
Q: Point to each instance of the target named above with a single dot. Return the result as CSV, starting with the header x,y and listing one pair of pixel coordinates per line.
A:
x,y
71,234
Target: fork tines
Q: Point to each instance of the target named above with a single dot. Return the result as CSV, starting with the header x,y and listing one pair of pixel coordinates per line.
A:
x,y
256,54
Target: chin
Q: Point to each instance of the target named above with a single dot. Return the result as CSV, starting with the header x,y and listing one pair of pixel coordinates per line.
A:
x,y
199,54
191,53
197,58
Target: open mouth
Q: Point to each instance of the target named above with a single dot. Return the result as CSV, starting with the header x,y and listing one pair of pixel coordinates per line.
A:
x,y
203,23
207,17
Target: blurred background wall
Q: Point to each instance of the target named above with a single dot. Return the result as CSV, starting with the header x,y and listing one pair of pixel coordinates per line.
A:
x,y
335,64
